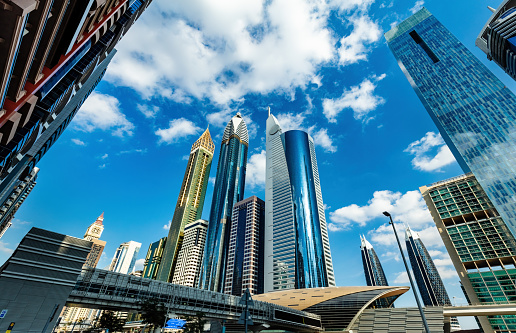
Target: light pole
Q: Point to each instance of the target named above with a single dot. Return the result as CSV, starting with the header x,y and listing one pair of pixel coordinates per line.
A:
x,y
408,273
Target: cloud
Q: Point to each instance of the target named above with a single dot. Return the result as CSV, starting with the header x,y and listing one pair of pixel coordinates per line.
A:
x,y
211,180
222,51
104,156
361,99
167,226
348,5
138,265
147,111
322,139
401,278
78,142
178,129
255,174
428,144
417,6
102,112
354,46
291,121
408,208
132,151
102,166
4,248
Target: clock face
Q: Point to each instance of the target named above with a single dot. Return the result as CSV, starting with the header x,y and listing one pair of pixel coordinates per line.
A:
x,y
96,230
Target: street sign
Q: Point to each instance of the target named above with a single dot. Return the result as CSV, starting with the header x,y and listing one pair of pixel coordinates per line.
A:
x,y
246,298
175,323
3,313
242,318
9,329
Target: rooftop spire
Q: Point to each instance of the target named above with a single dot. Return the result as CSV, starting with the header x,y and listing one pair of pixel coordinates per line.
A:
x,y
205,141
100,219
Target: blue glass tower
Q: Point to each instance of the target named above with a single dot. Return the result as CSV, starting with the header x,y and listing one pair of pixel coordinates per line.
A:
x,y
297,250
374,274
473,110
228,190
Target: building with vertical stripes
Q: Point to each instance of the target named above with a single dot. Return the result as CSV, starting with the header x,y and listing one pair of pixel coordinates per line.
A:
x,y
125,257
153,259
246,248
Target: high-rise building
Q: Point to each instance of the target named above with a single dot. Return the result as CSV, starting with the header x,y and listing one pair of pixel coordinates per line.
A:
x,y
374,274
228,190
190,202
19,193
297,249
429,282
52,55
93,234
497,37
480,246
153,259
125,257
190,256
246,248
474,112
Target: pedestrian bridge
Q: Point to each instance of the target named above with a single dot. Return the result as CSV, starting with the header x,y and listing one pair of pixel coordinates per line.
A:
x,y
100,289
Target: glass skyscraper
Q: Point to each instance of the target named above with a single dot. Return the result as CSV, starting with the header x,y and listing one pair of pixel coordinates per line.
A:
x,y
373,270
228,190
189,203
153,259
480,246
297,250
473,110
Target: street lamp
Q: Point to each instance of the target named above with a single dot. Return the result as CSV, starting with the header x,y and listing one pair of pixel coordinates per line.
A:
x,y
408,273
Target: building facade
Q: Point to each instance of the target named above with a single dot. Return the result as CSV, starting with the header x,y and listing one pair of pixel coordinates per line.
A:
x,y
497,37
228,190
482,249
52,56
190,202
189,260
153,259
93,234
297,249
473,110
373,270
125,257
246,248
19,193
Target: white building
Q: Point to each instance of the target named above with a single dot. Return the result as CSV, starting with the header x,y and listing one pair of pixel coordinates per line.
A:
x,y
189,259
125,257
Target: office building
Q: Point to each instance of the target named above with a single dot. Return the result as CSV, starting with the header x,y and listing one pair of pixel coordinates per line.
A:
x,y
19,193
373,270
190,202
474,112
482,249
297,250
228,190
153,259
429,282
190,256
53,53
125,257
497,40
246,248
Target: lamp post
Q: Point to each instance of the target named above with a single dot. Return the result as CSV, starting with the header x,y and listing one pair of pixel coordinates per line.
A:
x,y
408,273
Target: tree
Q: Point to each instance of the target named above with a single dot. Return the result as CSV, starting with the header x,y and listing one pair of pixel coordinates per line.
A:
x,y
153,313
109,321
195,324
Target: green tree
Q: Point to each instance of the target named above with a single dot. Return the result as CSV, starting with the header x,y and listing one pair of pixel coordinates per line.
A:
x,y
195,324
110,322
153,313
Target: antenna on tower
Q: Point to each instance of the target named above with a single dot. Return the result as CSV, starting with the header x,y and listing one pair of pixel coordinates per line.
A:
x,y
269,109
491,9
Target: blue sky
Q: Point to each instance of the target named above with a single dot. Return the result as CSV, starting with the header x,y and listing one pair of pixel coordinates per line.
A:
x,y
322,66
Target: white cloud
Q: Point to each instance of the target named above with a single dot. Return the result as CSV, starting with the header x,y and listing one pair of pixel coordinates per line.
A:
x,y
348,5
354,47
104,156
138,150
322,139
102,166
401,278
148,111
361,99
78,142
417,6
102,112
223,50
428,144
167,226
178,128
138,265
291,121
4,248
255,174
408,208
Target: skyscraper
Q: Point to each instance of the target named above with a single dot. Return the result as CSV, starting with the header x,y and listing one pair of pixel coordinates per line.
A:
x,y
190,202
228,190
473,110
480,246
297,249
153,259
429,282
125,257
189,259
52,56
497,37
374,274
246,248
93,234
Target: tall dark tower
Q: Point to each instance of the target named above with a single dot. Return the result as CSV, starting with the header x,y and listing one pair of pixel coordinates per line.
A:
x,y
373,269
228,190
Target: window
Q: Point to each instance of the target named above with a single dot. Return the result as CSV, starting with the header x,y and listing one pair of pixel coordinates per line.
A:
x,y
415,36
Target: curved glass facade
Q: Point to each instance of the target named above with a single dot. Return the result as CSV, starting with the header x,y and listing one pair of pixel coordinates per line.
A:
x,y
310,264
228,190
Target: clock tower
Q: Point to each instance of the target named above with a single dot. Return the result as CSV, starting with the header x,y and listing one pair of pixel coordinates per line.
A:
x,y
95,229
